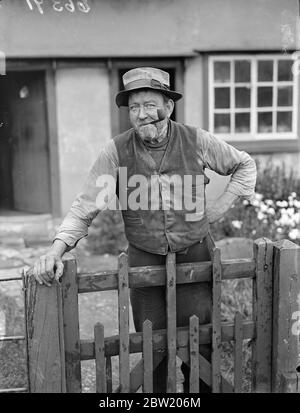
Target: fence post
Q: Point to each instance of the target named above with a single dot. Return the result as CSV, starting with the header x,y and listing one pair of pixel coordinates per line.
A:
x,y
286,314
262,316
71,324
171,321
44,337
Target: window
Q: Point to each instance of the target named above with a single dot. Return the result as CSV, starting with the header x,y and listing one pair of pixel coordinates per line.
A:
x,y
252,97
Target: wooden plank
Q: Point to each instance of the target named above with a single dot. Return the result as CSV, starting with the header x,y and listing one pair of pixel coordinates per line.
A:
x,y
156,275
171,321
289,383
87,347
25,288
216,321
108,369
238,352
194,354
137,373
44,352
262,316
123,307
205,370
61,336
15,390
148,357
286,302
71,325
100,359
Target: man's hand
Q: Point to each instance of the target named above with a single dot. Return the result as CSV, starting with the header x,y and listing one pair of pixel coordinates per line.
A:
x,y
50,266
217,208
47,268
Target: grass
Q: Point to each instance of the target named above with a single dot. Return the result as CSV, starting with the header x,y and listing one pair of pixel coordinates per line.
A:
x,y
12,354
102,307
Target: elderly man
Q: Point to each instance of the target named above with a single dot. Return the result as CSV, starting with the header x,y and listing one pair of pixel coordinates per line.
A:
x,y
162,156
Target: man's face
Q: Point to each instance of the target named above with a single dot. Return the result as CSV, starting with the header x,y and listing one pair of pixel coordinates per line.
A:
x,y
143,108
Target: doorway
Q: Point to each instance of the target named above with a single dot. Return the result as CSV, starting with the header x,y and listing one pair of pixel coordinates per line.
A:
x,y
24,151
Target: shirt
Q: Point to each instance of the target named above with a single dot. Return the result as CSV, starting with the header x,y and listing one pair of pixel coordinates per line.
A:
x,y
213,153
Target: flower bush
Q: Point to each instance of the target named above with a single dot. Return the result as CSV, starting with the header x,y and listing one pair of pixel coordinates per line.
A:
x,y
273,213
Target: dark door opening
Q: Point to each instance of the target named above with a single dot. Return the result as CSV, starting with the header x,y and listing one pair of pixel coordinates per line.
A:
x,y
24,155
124,123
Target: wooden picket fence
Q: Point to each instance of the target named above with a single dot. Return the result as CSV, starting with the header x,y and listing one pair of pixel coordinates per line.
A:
x,y
55,350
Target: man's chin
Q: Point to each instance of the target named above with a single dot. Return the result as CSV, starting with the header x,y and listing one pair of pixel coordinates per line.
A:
x,y
147,132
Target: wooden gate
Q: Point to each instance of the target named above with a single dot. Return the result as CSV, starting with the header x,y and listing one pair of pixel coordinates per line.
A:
x,y
55,350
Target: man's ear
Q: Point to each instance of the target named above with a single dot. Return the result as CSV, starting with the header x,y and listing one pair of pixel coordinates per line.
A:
x,y
170,107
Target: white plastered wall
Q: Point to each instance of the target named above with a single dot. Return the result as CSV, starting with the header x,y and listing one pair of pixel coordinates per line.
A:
x,y
83,119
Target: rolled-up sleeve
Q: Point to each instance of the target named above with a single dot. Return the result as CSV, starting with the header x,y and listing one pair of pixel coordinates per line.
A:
x,y
86,205
223,158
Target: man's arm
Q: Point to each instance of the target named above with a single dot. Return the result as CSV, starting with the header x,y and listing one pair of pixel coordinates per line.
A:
x,y
217,208
81,214
216,154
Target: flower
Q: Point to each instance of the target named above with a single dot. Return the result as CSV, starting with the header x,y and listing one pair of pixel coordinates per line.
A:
x,y
237,224
294,233
282,204
258,197
263,207
297,218
297,204
260,215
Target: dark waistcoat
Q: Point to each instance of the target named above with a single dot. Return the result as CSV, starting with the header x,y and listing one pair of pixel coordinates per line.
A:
x,y
163,207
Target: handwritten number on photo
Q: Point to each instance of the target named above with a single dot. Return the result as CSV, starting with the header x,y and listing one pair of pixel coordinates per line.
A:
x,y
70,6
83,6
38,4
59,5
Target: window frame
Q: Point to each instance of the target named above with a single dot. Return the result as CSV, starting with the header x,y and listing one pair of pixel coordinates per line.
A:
x,y
253,135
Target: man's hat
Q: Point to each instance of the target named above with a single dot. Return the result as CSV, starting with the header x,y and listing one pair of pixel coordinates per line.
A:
x,y
146,78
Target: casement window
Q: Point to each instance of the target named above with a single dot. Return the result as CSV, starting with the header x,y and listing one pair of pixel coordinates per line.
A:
x,y
252,97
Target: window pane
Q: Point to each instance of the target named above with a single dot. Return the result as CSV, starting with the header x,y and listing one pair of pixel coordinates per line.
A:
x,y
242,122
264,96
242,97
285,70
221,72
285,96
222,97
222,123
284,121
264,120
265,70
242,71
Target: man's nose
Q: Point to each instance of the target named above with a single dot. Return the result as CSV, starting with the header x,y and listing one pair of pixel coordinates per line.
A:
x,y
142,113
